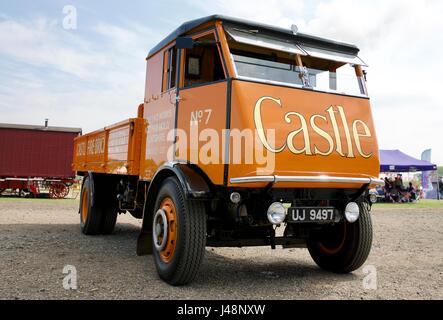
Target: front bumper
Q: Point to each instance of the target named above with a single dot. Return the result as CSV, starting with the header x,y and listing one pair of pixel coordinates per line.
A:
x,y
308,179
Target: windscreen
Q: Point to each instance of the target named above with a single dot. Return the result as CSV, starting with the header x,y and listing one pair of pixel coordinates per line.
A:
x,y
270,59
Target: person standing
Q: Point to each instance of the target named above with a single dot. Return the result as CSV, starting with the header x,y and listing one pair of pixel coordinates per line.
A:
x,y
440,187
412,193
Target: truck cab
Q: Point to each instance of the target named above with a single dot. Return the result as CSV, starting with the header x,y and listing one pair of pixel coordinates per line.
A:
x,y
246,129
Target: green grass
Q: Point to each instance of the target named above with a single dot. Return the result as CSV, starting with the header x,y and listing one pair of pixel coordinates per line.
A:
x,y
422,204
32,200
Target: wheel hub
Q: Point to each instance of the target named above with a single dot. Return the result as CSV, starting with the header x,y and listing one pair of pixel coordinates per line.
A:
x,y
164,230
160,230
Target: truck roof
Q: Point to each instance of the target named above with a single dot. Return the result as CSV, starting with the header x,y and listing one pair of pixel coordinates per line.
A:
x,y
39,128
287,33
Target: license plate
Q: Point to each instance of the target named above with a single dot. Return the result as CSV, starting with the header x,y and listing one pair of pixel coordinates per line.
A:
x,y
316,214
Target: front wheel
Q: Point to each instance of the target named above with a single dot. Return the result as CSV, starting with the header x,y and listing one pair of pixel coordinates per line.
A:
x,y
178,235
343,247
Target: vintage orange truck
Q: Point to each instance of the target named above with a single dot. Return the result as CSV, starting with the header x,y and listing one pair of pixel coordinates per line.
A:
x,y
244,128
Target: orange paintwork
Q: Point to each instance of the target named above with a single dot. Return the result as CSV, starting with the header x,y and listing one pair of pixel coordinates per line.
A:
x,y
168,206
112,150
225,50
316,133
280,117
159,112
154,77
198,101
85,206
160,115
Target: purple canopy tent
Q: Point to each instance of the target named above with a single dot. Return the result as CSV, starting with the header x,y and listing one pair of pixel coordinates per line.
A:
x,y
397,161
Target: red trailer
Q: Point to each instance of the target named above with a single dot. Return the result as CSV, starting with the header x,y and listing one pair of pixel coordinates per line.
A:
x,y
33,158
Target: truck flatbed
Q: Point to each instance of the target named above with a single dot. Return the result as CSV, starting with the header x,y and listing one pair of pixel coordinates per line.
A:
x,y
112,150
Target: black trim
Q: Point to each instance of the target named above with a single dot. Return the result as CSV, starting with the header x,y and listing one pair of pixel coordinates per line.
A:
x,y
228,129
200,34
361,191
198,85
297,88
304,38
177,95
163,73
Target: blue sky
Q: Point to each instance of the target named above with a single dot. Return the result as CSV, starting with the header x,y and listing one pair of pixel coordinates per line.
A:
x,y
98,69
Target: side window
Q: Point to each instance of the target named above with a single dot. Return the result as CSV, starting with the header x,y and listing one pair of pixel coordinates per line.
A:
x,y
203,62
170,71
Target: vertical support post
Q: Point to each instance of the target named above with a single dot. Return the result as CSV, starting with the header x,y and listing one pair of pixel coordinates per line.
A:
x,y
231,72
333,79
361,80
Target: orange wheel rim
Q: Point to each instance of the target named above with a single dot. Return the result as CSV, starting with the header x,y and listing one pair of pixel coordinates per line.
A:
x,y
85,205
171,215
336,249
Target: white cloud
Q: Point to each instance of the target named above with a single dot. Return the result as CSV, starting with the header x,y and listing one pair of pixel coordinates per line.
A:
x,y
38,43
46,71
131,41
399,39
281,13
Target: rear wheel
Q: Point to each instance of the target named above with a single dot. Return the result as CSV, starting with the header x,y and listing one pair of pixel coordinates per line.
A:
x,y
343,247
90,212
109,219
179,234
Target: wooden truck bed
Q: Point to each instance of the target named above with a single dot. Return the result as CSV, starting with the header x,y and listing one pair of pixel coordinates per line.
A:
x,y
112,150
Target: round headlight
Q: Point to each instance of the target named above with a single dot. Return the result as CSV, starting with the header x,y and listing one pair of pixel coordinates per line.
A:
x,y
276,213
373,197
352,212
235,197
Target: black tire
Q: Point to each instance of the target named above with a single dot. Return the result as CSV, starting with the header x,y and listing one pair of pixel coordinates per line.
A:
x,y
137,213
191,236
109,220
90,216
344,247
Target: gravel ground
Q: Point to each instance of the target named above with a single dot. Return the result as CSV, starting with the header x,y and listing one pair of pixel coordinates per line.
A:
x,y
38,238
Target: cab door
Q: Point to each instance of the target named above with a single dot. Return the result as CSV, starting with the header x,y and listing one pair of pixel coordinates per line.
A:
x,y
202,113
160,110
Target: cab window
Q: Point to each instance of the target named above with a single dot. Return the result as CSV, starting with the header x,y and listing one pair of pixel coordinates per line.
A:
x,y
170,69
203,63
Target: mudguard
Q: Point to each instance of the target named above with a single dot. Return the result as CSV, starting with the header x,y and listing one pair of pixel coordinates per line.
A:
x,y
195,184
